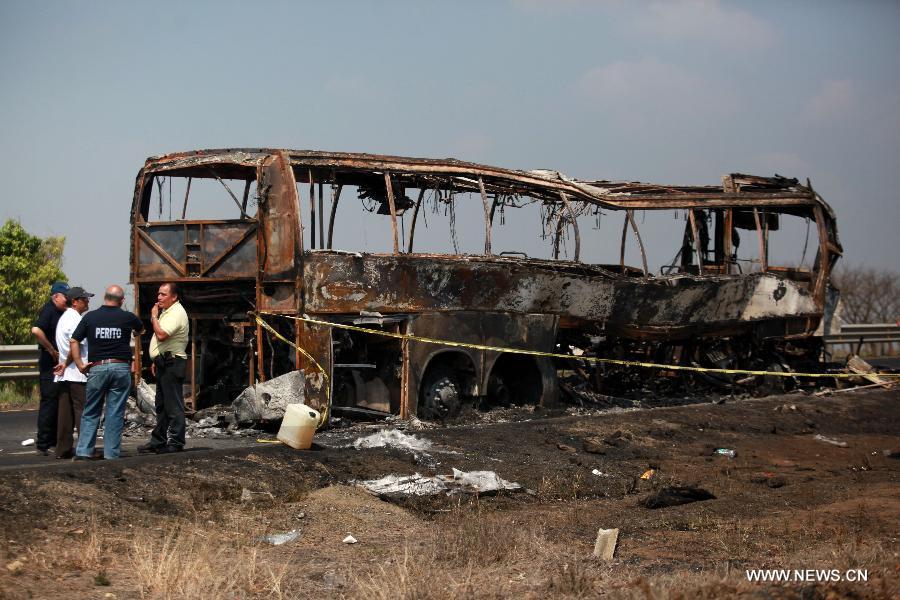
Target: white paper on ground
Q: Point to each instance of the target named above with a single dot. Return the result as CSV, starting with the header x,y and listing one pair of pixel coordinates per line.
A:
x,y
422,485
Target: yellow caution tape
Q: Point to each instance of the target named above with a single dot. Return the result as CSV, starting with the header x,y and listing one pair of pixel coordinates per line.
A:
x,y
593,359
323,417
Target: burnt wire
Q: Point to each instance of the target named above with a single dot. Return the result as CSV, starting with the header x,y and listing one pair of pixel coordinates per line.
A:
x,y
451,203
159,184
805,244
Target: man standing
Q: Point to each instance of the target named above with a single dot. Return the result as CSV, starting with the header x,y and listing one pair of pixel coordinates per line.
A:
x,y
44,331
108,333
167,351
71,381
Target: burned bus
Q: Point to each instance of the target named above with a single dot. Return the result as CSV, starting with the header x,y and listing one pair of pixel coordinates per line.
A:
x,y
435,248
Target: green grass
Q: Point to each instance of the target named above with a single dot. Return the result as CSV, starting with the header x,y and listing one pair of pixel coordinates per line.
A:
x,y
18,395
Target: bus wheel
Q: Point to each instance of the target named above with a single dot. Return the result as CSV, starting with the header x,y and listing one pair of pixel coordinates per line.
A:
x,y
441,394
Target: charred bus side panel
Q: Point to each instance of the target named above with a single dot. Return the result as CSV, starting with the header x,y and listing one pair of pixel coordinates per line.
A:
x,y
275,255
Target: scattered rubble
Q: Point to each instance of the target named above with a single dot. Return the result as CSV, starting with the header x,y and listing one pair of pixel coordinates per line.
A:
x,y
277,539
145,398
392,438
15,566
460,482
409,485
266,401
216,422
251,496
821,438
861,367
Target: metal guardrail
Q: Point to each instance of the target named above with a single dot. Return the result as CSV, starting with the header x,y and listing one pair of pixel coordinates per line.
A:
x,y
866,333
19,356
856,333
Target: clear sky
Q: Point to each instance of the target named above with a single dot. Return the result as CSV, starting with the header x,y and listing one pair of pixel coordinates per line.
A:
x,y
669,92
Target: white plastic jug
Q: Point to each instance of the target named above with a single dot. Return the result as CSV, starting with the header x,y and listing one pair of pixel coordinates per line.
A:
x,y
298,426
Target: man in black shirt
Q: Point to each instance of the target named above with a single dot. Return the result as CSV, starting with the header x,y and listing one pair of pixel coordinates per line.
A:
x,y
44,331
108,332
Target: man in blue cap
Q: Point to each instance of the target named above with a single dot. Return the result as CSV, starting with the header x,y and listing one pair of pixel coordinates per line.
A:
x,y
44,330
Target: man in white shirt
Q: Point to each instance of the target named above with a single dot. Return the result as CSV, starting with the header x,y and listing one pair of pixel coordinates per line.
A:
x,y
72,382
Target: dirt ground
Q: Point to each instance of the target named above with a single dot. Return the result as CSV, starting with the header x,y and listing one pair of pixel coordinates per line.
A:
x,y
177,526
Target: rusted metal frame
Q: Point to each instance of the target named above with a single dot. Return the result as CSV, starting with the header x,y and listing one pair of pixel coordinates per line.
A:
x,y
557,236
250,357
246,197
824,258
763,258
629,220
547,188
696,234
215,263
637,236
199,222
381,163
487,217
187,193
412,226
405,399
727,244
568,205
473,171
138,347
160,251
261,251
321,218
230,193
390,195
312,211
335,197
202,246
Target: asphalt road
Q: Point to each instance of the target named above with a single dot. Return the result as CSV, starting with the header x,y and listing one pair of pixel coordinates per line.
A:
x,y
19,425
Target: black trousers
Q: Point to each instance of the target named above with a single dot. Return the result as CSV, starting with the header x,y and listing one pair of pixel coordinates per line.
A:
x,y
169,430
71,405
48,412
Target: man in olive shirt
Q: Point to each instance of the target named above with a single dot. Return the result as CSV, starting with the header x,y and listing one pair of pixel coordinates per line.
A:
x,y
167,351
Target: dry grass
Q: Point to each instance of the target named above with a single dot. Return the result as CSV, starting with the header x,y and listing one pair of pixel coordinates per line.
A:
x,y
488,555
19,395
186,563
471,556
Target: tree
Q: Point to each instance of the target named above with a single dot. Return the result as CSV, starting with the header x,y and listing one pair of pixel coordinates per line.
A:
x,y
28,267
868,295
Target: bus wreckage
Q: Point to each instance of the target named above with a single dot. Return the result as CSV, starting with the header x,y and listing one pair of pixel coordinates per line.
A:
x,y
361,239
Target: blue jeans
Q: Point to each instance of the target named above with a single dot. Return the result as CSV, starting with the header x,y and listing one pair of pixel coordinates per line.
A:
x,y
112,382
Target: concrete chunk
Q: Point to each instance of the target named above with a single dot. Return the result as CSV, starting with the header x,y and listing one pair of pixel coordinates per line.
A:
x,y
605,546
268,400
